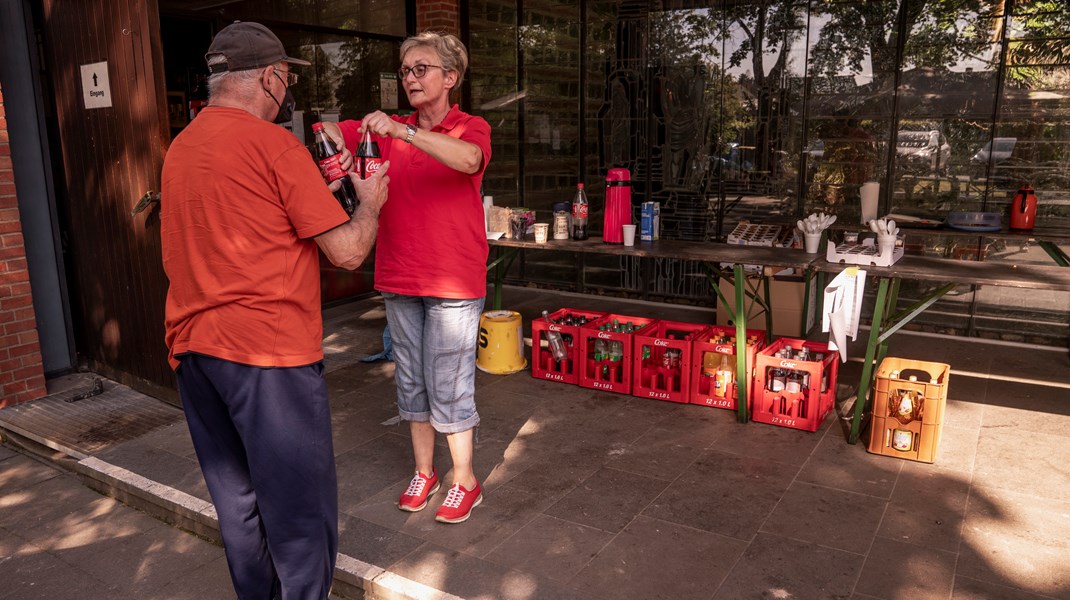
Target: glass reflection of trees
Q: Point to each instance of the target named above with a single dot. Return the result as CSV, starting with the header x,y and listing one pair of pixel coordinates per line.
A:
x,y
903,91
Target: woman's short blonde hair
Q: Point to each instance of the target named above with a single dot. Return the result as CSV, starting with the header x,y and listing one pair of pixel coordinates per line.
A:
x,y
451,52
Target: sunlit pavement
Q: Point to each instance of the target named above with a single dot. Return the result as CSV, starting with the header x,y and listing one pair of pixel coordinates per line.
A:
x,y
597,495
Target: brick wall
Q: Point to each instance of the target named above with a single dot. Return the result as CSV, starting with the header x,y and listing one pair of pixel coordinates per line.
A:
x,y
438,15
21,374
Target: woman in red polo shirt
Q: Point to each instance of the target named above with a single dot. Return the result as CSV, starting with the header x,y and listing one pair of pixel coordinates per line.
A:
x,y
430,261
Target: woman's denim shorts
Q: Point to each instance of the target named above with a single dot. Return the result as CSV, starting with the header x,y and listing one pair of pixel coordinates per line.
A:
x,y
435,357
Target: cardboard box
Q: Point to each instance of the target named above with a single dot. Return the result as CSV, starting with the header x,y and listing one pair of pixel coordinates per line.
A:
x,y
786,297
649,221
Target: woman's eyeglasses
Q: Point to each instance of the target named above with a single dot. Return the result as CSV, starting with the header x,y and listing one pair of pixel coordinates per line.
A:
x,y
418,71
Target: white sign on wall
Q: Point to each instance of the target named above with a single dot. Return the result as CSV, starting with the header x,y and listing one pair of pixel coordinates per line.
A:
x,y
388,91
96,91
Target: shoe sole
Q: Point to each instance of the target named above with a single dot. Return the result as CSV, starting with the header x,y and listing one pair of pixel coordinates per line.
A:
x,y
478,501
422,506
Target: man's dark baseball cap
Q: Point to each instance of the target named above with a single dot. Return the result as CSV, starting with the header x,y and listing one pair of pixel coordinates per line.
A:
x,y
247,45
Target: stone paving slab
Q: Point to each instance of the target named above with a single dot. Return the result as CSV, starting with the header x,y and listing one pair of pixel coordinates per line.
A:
x,y
596,495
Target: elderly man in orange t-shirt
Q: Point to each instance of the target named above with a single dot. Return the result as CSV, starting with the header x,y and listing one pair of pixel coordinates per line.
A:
x,y
244,209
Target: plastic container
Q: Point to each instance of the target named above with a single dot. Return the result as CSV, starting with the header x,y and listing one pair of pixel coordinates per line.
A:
x,y
909,399
662,356
793,392
709,387
543,365
605,357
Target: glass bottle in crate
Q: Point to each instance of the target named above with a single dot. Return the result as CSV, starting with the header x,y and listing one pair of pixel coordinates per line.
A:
x,y
709,372
616,356
557,343
722,378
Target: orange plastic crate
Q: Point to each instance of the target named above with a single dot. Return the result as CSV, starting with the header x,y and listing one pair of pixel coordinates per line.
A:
x,y
908,415
602,373
656,373
806,408
704,388
543,365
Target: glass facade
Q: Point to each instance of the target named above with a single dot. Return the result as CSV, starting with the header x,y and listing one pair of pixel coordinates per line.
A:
x,y
773,109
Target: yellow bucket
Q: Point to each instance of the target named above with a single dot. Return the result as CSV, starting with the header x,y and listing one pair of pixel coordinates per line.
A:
x,y
500,350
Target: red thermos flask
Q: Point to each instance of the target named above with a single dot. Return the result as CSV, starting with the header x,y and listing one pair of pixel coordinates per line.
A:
x,y
618,205
1024,209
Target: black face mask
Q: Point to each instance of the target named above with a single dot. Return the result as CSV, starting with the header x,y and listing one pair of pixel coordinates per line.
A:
x,y
286,107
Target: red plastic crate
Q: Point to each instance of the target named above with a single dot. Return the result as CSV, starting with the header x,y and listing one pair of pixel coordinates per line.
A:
x,y
656,374
703,387
604,374
543,365
804,409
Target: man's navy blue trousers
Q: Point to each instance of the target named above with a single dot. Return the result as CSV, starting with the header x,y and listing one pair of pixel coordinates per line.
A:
x,y
263,438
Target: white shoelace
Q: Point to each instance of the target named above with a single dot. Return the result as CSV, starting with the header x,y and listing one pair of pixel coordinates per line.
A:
x,y
416,486
453,499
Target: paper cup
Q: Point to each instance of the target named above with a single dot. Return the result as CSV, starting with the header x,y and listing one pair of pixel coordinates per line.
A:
x,y
886,244
629,235
541,231
812,242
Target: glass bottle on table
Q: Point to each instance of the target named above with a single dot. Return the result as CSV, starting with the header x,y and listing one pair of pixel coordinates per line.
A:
x,y
580,209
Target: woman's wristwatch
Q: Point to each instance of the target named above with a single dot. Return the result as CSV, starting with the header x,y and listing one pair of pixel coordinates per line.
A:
x,y
412,133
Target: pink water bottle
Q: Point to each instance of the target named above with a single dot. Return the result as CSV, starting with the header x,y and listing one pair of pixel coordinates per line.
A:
x,y
618,205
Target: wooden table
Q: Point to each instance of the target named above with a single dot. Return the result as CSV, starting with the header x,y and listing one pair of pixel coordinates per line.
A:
x,y
710,253
946,272
949,273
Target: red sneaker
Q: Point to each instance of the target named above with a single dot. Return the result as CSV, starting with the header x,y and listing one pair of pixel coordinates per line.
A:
x,y
459,504
415,497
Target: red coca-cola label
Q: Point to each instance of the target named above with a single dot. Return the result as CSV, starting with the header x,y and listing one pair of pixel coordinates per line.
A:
x,y
331,168
369,166
579,211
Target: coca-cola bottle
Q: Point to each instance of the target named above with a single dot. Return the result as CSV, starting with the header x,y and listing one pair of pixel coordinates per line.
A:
x,y
579,214
368,158
327,156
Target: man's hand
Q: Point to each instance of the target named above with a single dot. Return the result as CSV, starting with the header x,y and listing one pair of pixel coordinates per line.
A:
x,y
345,160
348,245
372,192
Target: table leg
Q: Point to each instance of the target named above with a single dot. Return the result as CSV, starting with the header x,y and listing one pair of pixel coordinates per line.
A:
x,y
740,319
867,366
1055,252
501,255
764,282
893,299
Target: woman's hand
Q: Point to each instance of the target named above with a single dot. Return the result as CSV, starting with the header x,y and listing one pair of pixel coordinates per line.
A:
x,y
380,124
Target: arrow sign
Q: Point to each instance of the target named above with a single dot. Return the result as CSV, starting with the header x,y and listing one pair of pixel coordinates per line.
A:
x,y
96,90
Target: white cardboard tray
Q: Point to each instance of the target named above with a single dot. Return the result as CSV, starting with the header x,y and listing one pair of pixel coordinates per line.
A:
x,y
865,253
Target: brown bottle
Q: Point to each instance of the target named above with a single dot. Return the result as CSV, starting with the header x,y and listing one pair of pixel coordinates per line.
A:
x,y
368,158
327,157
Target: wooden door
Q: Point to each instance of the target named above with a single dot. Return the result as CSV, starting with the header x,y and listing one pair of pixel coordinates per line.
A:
x,y
111,157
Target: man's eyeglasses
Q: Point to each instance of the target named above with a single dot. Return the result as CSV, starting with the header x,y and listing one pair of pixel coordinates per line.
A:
x,y
418,71
291,78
